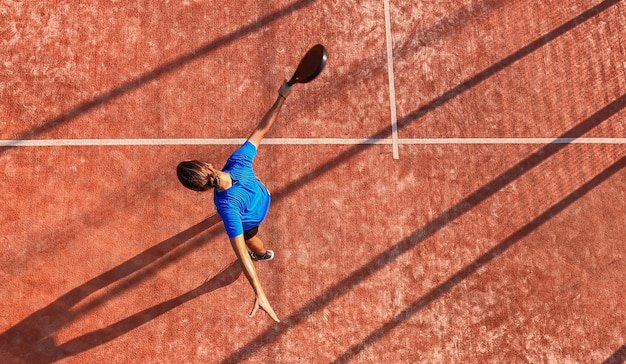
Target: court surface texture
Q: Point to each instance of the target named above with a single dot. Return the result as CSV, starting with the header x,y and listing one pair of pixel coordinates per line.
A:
x,y
451,189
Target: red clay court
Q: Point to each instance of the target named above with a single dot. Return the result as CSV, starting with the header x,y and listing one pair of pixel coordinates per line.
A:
x,y
451,189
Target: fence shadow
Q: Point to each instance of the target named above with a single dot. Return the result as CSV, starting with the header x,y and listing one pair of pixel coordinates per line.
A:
x,y
455,211
31,339
453,93
33,332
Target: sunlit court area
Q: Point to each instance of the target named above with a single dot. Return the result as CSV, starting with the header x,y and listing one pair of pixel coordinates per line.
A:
x,y
451,188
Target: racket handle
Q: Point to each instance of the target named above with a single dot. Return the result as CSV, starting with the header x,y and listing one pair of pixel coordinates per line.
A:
x,y
285,89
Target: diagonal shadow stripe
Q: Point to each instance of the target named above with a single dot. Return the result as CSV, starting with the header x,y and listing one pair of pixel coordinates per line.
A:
x,y
508,61
618,357
158,72
482,261
31,332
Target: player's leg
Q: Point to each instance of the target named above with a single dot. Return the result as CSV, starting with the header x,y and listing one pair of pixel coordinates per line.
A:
x,y
256,246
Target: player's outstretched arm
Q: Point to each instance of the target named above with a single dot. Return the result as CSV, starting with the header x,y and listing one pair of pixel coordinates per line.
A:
x,y
270,117
239,246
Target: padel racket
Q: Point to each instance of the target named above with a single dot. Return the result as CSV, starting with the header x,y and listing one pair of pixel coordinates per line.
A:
x,y
311,65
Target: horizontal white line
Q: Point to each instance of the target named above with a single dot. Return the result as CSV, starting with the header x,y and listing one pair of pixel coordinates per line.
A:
x,y
301,141
189,141
514,141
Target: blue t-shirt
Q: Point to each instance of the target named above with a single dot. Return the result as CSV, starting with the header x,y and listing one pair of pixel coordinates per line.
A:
x,y
246,203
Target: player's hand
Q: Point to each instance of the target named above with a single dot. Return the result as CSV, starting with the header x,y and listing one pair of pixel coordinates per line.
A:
x,y
263,303
285,89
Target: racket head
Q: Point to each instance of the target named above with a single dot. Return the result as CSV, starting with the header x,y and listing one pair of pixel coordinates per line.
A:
x,y
311,65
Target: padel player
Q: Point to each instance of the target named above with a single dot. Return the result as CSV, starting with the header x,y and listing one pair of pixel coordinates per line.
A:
x,y
241,200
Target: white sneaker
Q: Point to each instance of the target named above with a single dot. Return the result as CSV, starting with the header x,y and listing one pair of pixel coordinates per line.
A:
x,y
269,255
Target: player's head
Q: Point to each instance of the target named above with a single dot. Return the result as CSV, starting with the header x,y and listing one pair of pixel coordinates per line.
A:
x,y
197,175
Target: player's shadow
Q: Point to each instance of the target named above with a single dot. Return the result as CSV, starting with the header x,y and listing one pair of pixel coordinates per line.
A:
x,y
101,336
32,339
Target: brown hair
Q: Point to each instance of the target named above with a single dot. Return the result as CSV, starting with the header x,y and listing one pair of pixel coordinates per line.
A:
x,y
197,175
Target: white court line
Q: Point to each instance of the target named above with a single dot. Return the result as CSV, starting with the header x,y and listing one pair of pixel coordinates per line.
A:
x,y
462,141
303,141
392,87
183,141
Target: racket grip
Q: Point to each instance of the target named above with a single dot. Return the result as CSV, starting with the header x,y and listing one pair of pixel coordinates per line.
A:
x,y
285,89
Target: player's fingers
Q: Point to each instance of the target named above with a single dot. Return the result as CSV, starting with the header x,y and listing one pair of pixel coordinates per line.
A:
x,y
273,316
254,309
270,311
